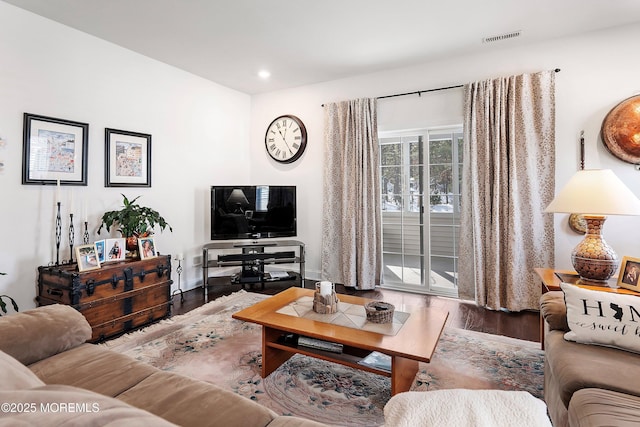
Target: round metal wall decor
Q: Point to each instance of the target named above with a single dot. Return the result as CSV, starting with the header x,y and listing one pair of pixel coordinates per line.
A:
x,y
577,223
621,130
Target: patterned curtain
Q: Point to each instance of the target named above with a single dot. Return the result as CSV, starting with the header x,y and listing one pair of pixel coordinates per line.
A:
x,y
508,180
351,226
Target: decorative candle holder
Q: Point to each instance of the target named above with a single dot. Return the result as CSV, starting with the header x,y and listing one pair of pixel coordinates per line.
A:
x,y
58,234
326,303
85,236
179,270
72,238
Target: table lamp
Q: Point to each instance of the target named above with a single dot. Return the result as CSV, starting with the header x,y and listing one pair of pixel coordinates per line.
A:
x,y
594,194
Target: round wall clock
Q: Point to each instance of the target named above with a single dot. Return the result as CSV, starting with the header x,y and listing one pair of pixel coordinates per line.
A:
x,y
621,130
286,139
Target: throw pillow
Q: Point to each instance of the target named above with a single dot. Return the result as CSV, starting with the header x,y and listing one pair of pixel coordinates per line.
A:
x,y
602,318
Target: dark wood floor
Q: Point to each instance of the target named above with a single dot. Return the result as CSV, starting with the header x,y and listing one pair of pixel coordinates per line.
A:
x,y
465,315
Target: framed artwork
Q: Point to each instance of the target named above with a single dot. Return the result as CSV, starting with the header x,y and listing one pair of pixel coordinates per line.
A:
x,y
100,250
629,276
54,149
115,250
87,256
127,159
147,247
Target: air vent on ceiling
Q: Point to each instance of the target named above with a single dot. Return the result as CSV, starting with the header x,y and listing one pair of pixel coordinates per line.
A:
x,y
500,37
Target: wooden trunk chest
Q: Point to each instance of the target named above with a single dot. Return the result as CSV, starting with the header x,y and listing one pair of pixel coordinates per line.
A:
x,y
114,299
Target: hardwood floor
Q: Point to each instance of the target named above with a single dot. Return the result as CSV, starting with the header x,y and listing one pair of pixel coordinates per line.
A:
x,y
465,315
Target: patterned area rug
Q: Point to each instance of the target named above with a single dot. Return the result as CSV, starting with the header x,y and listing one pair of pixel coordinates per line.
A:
x,y
209,345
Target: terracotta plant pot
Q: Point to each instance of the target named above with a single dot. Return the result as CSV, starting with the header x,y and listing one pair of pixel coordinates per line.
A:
x,y
132,243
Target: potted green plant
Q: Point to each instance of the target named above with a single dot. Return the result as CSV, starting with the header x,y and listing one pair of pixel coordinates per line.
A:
x,y
3,305
133,221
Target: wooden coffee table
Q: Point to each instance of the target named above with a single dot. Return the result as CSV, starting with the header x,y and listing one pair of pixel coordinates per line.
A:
x,y
415,342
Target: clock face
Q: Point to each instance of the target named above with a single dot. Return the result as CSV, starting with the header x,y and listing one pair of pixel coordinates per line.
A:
x,y
286,139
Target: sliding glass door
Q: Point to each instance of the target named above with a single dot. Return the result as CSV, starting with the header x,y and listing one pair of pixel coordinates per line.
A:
x,y
420,201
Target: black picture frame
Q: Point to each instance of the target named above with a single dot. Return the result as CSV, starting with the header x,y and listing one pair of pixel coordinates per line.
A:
x,y
127,158
54,150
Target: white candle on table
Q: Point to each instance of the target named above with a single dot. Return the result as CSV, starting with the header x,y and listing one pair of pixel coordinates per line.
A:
x,y
71,201
58,192
85,218
326,288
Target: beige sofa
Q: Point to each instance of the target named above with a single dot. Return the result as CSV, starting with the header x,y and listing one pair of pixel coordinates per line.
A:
x,y
49,376
586,385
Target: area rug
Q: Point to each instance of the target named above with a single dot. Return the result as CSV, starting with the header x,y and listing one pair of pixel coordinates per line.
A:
x,y
209,345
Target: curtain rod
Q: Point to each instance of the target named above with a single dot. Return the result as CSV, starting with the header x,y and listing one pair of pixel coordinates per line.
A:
x,y
420,92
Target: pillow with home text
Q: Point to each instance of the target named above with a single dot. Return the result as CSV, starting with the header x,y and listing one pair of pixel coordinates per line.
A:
x,y
602,318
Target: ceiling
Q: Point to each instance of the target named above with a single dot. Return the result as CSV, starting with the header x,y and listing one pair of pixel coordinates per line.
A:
x,y
302,42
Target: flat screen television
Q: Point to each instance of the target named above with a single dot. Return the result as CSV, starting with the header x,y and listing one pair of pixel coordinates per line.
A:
x,y
253,211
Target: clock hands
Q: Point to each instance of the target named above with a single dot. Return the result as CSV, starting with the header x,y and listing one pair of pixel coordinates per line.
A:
x,y
285,141
287,128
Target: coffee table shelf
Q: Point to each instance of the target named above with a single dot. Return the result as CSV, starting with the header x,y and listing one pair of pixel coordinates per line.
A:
x,y
350,356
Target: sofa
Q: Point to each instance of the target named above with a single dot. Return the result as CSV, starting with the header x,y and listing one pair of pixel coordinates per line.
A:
x,y
586,384
49,376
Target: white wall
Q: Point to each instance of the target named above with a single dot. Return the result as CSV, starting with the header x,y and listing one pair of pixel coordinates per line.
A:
x,y
200,137
598,70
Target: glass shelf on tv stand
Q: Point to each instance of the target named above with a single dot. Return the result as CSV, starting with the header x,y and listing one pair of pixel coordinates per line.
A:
x,y
252,260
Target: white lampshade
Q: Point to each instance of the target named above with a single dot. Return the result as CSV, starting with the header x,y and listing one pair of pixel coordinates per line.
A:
x,y
595,192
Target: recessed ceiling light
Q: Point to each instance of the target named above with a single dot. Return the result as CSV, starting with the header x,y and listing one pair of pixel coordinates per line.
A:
x,y
264,74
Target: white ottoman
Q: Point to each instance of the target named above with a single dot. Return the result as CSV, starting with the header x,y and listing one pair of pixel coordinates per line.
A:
x,y
465,408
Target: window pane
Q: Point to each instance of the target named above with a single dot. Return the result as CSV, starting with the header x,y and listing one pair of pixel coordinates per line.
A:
x,y
415,152
412,239
415,179
442,235
412,271
460,147
440,179
392,238
392,187
443,270
392,268
391,154
392,217
440,151
415,188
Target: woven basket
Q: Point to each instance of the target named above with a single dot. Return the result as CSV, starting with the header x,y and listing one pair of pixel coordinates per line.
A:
x,y
379,312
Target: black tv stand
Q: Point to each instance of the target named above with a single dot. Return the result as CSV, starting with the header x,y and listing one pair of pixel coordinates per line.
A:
x,y
252,261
